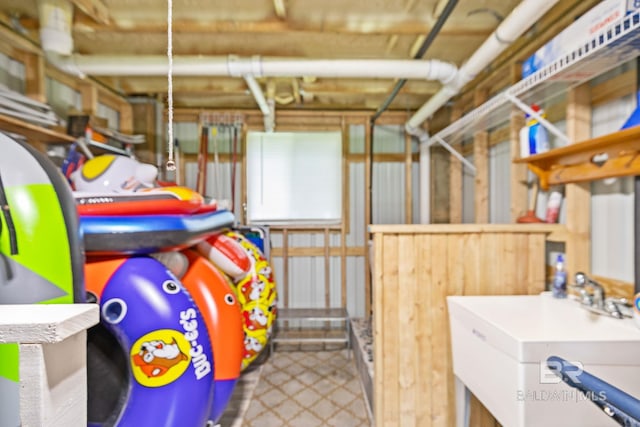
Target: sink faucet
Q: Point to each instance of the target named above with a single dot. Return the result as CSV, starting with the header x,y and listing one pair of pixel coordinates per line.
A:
x,y
595,300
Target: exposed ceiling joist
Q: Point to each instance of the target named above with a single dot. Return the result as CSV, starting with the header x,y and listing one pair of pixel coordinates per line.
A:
x,y
274,26
95,9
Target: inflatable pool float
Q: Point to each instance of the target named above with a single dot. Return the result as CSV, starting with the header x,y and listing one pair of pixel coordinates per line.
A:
x,y
255,287
145,234
164,338
122,212
110,173
173,200
226,254
40,247
214,296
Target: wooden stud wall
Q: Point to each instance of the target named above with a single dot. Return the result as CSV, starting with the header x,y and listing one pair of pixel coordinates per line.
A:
x,y
455,180
416,267
578,196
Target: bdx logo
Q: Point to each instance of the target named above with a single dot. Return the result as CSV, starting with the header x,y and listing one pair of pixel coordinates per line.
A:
x,y
551,371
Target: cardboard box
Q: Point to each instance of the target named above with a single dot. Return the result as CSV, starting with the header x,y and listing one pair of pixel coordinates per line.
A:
x,y
579,32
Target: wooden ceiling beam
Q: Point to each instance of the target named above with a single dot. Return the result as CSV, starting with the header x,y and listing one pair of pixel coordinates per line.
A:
x,y
277,26
16,40
94,9
230,85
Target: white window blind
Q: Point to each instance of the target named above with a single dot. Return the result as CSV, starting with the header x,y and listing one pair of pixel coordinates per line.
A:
x,y
294,177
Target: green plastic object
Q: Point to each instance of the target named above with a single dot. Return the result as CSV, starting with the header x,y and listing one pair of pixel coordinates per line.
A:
x,y
41,256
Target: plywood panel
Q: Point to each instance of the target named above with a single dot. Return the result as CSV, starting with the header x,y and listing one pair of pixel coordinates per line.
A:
x,y
387,382
413,275
407,361
424,331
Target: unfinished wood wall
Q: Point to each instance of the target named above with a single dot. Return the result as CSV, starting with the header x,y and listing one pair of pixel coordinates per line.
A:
x,y
415,268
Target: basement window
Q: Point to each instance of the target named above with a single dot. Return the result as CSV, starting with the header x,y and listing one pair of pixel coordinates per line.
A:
x,y
294,177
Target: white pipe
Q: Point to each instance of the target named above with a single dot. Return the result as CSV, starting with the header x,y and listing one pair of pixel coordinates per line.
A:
x,y
521,18
424,187
255,89
267,111
157,65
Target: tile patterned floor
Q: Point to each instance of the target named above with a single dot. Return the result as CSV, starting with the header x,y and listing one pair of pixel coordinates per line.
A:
x,y
301,389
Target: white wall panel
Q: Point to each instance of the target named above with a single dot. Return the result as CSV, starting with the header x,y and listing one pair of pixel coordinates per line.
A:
x,y
388,193
468,193
612,224
191,174
356,236
12,74
62,98
499,183
415,193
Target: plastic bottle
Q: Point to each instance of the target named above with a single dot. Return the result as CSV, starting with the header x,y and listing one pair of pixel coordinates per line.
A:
x,y
559,286
538,135
553,207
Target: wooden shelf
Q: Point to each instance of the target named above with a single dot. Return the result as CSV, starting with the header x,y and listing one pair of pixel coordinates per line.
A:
x,y
575,162
33,132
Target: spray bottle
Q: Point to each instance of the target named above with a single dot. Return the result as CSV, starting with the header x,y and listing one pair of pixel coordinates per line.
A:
x,y
559,285
538,135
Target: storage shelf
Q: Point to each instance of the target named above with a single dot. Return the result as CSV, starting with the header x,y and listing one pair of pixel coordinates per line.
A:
x,y
615,45
33,132
575,162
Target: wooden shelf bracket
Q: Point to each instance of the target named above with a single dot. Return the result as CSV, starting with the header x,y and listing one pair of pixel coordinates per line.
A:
x,y
608,156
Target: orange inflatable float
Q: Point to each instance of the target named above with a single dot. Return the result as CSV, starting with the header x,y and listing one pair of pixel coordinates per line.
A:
x,y
255,287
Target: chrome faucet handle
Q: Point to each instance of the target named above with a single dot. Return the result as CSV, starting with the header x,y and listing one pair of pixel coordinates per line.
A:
x,y
585,297
597,297
581,280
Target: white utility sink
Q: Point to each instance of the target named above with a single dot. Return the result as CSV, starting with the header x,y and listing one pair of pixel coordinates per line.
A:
x,y
500,345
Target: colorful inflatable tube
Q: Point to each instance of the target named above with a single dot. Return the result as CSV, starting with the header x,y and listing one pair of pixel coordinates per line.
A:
x,y
174,200
256,289
145,234
164,337
226,254
215,298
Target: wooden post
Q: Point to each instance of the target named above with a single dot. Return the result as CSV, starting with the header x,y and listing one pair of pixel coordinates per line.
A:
x,y
34,75
285,267
519,202
455,179
367,216
578,196
481,160
126,117
345,213
327,268
89,94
